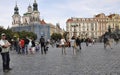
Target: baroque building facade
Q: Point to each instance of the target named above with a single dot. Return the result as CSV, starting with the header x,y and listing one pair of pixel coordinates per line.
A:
x,y
30,21
56,29
92,27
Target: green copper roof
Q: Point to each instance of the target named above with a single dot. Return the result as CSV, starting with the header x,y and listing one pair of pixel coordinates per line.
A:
x,y
27,13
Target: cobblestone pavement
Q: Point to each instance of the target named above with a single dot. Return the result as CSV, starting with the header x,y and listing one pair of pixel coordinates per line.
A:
x,y
92,60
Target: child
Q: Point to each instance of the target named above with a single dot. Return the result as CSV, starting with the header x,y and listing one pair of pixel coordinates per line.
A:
x,y
37,47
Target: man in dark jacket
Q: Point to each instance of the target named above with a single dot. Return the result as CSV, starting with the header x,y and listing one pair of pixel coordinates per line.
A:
x,y
42,42
78,42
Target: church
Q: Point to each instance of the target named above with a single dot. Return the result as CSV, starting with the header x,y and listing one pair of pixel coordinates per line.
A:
x,y
30,21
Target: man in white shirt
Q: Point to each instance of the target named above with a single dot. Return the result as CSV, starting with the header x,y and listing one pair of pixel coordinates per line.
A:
x,y
5,52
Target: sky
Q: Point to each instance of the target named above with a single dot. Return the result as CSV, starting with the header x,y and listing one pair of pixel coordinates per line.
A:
x,y
58,11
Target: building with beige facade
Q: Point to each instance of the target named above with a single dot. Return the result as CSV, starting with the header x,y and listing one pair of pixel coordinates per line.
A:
x,y
92,27
56,29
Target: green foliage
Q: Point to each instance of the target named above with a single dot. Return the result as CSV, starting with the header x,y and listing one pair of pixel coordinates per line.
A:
x,y
8,32
1,29
56,36
65,35
15,35
24,34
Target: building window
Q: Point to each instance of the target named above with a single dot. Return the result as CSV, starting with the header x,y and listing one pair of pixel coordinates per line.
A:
x,y
92,26
95,26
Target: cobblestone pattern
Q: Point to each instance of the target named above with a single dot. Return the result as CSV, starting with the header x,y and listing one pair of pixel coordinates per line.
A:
x,y
92,60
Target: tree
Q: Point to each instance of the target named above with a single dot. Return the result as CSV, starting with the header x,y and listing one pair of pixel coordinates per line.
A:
x,y
8,33
65,35
56,36
24,34
13,35
2,30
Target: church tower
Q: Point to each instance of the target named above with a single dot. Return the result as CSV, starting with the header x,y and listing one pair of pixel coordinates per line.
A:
x,y
36,13
30,8
35,6
16,17
27,18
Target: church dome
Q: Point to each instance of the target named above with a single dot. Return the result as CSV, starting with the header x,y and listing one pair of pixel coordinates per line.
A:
x,y
35,6
29,6
16,8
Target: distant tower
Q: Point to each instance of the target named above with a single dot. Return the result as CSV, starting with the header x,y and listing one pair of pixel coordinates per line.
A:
x,y
35,6
36,13
16,17
30,8
27,17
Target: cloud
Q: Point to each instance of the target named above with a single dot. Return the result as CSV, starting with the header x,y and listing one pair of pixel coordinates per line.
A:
x,y
55,11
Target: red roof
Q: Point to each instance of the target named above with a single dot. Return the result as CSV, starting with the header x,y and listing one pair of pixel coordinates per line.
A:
x,y
42,22
69,20
112,15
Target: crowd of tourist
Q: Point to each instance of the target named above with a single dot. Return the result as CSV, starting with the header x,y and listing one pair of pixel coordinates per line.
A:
x,y
29,46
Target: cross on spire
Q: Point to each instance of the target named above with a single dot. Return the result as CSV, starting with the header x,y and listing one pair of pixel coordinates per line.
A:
x,y
16,3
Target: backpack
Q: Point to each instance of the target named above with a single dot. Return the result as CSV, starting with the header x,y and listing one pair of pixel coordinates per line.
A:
x,y
42,40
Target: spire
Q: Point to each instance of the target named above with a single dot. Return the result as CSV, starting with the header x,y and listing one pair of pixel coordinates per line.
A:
x,y
29,8
16,9
34,1
15,2
16,17
35,8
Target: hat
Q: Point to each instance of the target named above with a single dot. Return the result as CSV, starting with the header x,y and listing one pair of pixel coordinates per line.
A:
x,y
2,34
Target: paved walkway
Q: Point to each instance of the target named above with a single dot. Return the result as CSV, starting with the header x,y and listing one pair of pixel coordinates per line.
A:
x,y
92,60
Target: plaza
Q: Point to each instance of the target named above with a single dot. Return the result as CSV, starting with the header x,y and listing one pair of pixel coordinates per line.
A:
x,y
91,60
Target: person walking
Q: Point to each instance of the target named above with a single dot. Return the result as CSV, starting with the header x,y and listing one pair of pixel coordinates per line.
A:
x,y
22,45
33,46
42,42
37,47
78,42
63,45
16,45
87,41
73,45
5,53
107,41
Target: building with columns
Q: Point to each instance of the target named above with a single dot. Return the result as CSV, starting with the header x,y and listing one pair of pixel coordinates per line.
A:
x,y
92,27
